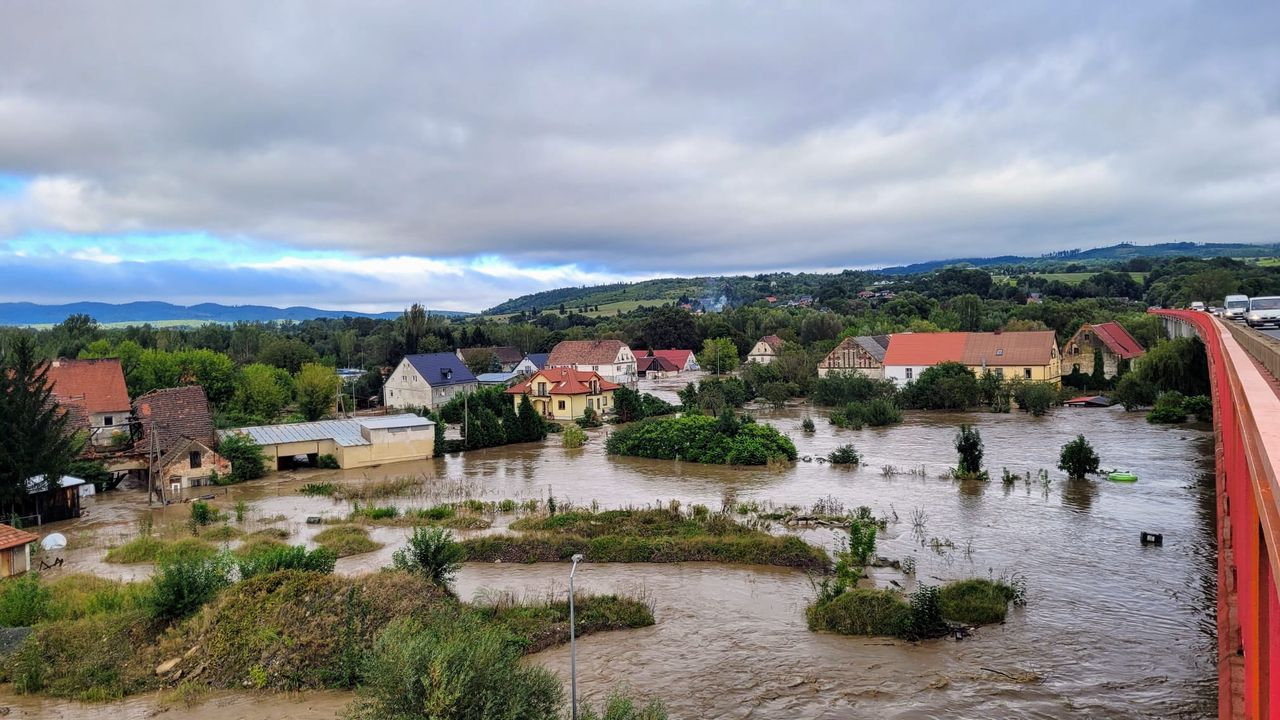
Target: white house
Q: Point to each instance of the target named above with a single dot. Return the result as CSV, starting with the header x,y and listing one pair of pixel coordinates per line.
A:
x,y
530,364
612,359
766,350
428,380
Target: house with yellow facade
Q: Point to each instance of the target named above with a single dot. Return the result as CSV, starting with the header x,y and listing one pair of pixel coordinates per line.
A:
x,y
1031,355
564,394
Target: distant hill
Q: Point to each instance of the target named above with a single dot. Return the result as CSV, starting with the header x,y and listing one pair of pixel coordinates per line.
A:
x,y
1110,253
23,313
711,291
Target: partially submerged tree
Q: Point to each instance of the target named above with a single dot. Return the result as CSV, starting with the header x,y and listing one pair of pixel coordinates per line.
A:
x,y
1078,458
969,450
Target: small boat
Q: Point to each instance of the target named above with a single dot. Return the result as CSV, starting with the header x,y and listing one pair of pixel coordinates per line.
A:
x,y
1118,476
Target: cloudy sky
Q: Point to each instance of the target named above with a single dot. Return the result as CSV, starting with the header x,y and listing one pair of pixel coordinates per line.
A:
x,y
371,154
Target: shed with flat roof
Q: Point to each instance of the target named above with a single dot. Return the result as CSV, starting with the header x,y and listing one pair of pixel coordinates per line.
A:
x,y
359,442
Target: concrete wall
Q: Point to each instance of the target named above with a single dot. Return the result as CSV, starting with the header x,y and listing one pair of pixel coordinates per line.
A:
x,y
389,446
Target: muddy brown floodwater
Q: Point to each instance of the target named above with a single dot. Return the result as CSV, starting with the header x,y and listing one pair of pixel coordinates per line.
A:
x,y
1111,628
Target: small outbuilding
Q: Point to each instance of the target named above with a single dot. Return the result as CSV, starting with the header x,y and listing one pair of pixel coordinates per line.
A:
x,y
15,551
360,442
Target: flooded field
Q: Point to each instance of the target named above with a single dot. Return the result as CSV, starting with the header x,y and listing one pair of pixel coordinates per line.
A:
x,y
1111,628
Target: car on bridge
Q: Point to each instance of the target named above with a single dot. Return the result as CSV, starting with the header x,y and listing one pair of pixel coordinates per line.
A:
x,y
1197,306
1235,307
1263,311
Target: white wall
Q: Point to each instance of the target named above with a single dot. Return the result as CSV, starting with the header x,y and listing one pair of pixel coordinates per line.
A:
x,y
898,373
407,388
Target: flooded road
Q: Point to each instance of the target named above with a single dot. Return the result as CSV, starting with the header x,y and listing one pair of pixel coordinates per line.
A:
x,y
1111,628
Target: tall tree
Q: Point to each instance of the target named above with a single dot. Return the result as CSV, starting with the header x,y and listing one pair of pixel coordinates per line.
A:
x,y
413,327
36,436
317,390
669,327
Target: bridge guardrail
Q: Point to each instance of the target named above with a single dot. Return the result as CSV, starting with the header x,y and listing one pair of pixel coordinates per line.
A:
x,y
1264,348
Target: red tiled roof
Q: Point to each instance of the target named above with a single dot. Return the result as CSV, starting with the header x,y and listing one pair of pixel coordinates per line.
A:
x,y
563,381
11,537
585,352
1033,347
176,413
925,348
1118,340
772,341
679,358
95,386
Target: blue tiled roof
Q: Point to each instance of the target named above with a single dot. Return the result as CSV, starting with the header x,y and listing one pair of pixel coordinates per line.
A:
x,y
539,359
440,369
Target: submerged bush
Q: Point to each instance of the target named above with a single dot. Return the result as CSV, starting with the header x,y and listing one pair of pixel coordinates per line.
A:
x,y
620,706
431,552
844,455
862,612
969,451
754,549
1168,409
977,601
344,540
1077,458
697,438
574,437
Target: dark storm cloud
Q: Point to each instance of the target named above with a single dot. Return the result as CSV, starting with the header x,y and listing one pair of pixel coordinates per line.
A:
x,y
643,137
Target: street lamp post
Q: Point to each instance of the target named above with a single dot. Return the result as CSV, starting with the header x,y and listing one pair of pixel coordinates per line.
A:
x,y
573,647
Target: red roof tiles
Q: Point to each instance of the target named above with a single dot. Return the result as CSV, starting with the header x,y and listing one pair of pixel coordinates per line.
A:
x,y
11,537
563,381
176,413
585,352
94,386
1118,340
917,349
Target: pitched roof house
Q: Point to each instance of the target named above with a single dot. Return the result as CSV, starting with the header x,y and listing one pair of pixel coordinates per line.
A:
x,y
682,359
1111,339
766,350
565,393
655,366
174,415
611,358
1025,355
94,393
190,463
427,380
532,363
861,355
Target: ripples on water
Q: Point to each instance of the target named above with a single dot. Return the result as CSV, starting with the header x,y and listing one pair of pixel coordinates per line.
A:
x,y
1115,629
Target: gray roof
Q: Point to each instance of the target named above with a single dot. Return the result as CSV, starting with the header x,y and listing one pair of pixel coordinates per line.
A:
x,y
539,359
404,420
494,378
875,345
343,432
441,369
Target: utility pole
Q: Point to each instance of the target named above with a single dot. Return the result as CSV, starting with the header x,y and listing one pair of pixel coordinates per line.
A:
x,y
573,645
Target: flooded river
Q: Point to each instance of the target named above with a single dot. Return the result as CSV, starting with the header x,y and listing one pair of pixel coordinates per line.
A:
x,y
1111,628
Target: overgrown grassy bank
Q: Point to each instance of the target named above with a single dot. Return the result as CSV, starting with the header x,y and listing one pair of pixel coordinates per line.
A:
x,y
95,639
647,535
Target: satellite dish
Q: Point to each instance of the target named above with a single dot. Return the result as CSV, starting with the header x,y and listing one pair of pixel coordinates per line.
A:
x,y
54,541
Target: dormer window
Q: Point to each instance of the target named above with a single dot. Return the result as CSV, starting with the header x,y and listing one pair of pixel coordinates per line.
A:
x,y
999,352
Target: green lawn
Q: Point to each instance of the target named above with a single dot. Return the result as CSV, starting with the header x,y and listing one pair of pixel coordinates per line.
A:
x,y
1069,278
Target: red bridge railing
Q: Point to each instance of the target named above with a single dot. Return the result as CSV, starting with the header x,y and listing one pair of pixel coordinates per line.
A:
x,y
1247,425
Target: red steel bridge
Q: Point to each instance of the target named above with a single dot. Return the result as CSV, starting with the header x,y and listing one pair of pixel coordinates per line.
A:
x,y
1243,367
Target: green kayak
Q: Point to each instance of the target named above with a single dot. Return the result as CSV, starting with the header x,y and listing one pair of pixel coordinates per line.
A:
x,y
1122,477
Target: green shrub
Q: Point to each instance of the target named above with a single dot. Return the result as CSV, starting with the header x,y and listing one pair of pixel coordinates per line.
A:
x,y
289,557
182,585
880,412
926,613
589,418
245,456
574,437
1035,397
862,612
977,601
24,601
969,451
325,489
148,549
1133,392
1199,405
1168,409
374,512
844,455
697,438
431,552
507,505
475,674
1078,458
344,540
945,386
757,548
92,659
807,424
620,706
327,462
845,388
204,514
